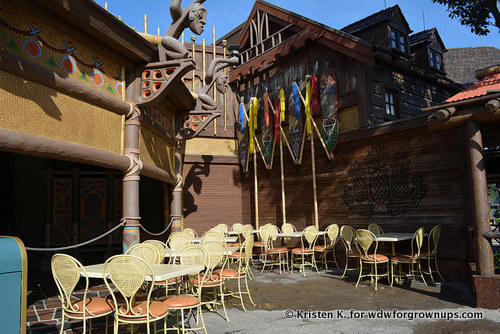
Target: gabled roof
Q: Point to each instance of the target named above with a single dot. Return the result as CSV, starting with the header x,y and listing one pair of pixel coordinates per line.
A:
x,y
307,29
382,16
483,87
425,36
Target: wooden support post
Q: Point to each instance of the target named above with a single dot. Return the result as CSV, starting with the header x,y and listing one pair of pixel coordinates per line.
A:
x,y
131,232
480,207
193,39
224,45
176,206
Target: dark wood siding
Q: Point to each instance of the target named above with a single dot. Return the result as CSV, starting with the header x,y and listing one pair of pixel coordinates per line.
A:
x,y
434,156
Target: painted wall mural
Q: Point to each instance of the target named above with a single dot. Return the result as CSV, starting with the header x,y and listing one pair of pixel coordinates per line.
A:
x,y
40,42
381,185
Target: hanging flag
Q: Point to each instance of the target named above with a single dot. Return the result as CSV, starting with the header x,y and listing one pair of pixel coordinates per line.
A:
x,y
308,109
314,95
296,104
255,112
282,104
242,118
250,128
266,108
277,119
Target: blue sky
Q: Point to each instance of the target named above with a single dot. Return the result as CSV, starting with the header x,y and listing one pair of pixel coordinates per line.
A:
x,y
227,14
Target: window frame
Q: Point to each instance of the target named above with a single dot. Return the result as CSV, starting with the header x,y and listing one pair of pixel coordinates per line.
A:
x,y
433,56
396,43
391,105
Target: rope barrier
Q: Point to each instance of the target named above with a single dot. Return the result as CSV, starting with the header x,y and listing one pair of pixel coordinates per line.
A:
x,y
56,249
162,232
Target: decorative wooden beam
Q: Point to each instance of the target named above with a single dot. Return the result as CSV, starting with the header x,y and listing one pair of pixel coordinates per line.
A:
x,y
492,105
445,113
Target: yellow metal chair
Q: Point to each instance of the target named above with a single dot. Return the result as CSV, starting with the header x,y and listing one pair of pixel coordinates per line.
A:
x,y
191,299
213,235
128,274
147,252
272,256
375,229
237,227
217,260
191,232
160,247
67,271
347,237
432,251
306,250
243,271
330,240
412,260
178,241
367,244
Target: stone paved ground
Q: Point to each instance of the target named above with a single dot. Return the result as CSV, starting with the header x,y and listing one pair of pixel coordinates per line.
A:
x,y
274,294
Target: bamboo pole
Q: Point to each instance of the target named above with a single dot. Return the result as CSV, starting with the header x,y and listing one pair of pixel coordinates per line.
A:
x,y
214,88
315,194
193,38
158,31
282,169
224,45
316,129
256,189
145,23
203,55
124,98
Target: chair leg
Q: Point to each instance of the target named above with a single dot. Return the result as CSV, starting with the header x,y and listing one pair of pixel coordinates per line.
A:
x,y
346,263
360,272
437,268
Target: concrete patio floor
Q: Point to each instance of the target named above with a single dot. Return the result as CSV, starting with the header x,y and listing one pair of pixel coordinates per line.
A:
x,y
284,303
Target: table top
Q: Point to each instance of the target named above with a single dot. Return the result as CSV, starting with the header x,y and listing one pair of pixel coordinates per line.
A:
x,y
197,240
293,234
162,271
394,236
229,251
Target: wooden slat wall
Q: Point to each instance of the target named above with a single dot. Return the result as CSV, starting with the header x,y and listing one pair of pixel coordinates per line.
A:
x,y
219,197
436,156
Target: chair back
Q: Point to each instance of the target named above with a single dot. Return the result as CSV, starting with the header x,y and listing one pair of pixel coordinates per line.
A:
x,y
288,228
190,232
347,237
223,227
177,241
273,229
248,249
216,255
213,235
247,231
265,236
146,251
66,273
416,242
237,227
160,247
309,236
197,255
433,240
365,239
128,274
332,232
375,229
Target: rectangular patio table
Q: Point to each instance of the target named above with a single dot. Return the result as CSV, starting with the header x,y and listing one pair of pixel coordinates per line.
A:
x,y
197,240
162,272
293,234
394,237
229,250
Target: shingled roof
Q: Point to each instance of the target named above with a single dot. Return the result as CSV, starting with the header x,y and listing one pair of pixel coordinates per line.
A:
x,y
462,63
385,15
425,36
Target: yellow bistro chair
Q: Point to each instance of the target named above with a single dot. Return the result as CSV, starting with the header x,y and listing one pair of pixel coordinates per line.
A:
x,y
432,250
301,254
367,244
191,232
347,237
330,240
375,229
67,271
128,274
146,251
412,260
272,256
241,272
191,299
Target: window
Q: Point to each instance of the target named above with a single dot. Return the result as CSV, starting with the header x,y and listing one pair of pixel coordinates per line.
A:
x,y
391,106
435,60
399,41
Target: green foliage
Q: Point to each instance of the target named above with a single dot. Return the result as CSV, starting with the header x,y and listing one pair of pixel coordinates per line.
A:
x,y
476,14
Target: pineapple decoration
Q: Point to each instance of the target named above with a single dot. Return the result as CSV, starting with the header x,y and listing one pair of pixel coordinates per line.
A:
x,y
379,178
400,186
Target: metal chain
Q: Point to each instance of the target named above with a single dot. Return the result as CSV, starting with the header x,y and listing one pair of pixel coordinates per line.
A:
x,y
77,245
